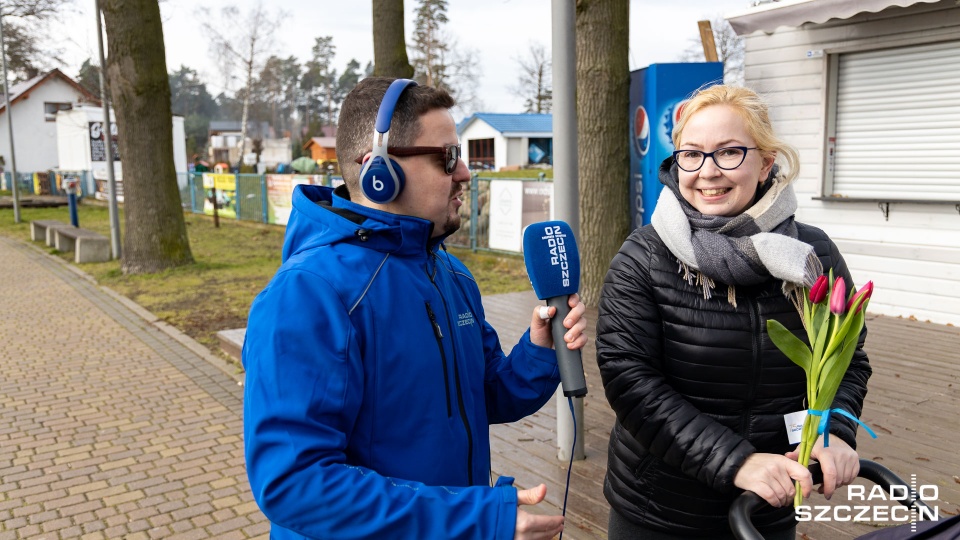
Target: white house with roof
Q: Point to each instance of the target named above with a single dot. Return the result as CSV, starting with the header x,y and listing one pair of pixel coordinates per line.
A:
x,y
869,92
492,141
35,103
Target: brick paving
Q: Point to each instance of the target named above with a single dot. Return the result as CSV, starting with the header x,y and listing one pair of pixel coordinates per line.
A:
x,y
109,426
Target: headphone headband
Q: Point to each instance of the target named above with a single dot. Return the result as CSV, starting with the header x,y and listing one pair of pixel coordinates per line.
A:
x,y
389,103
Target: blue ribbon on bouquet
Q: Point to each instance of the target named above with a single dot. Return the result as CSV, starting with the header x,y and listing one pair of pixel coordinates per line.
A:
x,y
823,428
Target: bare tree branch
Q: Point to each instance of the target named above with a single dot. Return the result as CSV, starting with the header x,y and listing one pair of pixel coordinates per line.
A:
x,y
245,49
536,78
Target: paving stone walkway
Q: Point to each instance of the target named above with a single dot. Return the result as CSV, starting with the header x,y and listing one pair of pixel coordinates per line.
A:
x,y
110,426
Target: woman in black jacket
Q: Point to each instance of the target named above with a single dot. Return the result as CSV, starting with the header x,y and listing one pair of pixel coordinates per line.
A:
x,y
699,390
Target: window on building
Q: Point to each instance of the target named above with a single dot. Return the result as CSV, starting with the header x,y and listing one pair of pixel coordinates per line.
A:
x,y
481,154
540,151
893,123
50,110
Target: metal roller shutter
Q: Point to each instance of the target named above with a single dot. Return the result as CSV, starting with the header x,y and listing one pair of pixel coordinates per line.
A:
x,y
897,129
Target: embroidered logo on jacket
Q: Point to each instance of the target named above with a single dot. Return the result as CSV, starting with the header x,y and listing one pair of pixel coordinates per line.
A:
x,y
465,319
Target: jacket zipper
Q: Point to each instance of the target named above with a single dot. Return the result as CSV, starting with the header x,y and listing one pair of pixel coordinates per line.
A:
x,y
456,378
755,366
438,334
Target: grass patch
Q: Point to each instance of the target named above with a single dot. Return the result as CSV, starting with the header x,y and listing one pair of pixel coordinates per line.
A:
x,y
233,264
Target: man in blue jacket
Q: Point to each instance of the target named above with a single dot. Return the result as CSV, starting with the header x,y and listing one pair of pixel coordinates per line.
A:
x,y
372,374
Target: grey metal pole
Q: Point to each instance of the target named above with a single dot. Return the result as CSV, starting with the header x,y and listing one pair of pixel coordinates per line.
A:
x,y
113,211
13,155
566,193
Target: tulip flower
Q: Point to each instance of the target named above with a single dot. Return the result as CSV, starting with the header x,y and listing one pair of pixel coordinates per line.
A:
x,y
819,290
865,293
838,298
832,330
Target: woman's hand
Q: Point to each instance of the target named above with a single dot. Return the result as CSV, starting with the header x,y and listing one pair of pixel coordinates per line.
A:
x,y
840,464
771,477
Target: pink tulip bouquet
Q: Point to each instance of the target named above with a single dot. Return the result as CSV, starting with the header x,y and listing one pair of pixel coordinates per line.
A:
x,y
833,331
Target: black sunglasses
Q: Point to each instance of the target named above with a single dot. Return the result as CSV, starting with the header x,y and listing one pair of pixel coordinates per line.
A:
x,y
450,152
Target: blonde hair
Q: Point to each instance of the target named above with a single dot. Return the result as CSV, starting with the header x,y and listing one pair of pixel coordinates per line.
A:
x,y
754,112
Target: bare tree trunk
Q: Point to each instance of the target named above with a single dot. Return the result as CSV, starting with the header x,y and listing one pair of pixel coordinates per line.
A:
x,y
603,85
389,42
156,236
246,102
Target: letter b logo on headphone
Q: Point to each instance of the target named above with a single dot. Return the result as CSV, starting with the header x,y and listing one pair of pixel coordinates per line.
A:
x,y
381,178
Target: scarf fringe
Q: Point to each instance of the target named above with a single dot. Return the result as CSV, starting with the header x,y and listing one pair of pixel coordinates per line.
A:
x,y
812,270
795,293
792,291
732,295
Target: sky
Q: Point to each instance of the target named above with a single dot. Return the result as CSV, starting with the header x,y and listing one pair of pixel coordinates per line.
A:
x,y
499,31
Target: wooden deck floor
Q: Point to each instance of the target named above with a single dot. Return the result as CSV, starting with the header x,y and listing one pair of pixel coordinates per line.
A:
x,y
913,404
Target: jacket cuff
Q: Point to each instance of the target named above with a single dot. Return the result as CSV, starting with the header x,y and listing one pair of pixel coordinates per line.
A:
x,y
844,429
538,353
507,516
724,480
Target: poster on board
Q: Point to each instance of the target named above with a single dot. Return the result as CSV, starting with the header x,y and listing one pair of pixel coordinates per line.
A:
x,y
506,215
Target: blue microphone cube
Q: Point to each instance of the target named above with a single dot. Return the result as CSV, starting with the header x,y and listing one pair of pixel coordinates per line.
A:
x,y
552,259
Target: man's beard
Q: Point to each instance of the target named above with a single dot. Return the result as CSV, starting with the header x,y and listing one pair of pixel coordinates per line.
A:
x,y
452,225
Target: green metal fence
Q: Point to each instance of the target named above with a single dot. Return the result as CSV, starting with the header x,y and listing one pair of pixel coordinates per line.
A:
x,y
248,197
47,182
249,200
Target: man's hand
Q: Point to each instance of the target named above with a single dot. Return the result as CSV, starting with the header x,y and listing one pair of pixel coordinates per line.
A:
x,y
840,464
532,526
541,335
771,477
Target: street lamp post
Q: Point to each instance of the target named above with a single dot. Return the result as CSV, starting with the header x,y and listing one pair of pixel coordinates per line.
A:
x,y
13,157
107,132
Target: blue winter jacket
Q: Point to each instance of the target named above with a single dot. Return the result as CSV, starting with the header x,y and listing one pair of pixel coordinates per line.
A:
x,y
371,380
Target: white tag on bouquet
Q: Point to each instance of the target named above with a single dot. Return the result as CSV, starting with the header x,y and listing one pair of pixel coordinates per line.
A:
x,y
794,422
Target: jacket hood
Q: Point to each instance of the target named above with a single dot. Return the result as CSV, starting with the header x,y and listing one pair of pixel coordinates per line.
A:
x,y
321,217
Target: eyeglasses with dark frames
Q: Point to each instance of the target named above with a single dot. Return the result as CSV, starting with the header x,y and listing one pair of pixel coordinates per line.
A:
x,y
450,152
727,158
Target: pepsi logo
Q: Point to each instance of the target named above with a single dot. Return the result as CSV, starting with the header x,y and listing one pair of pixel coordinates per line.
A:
x,y
672,117
641,131
678,110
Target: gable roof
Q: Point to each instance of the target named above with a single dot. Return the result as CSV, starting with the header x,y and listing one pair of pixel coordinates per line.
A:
x,y
512,123
323,142
254,128
21,90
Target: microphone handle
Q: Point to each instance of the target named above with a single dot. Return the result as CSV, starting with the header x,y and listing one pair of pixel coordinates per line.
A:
x,y
570,363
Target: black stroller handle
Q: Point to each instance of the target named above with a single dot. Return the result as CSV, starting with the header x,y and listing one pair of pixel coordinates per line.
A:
x,y
749,502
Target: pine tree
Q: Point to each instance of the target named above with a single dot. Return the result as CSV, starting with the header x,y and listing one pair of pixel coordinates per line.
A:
x,y
430,48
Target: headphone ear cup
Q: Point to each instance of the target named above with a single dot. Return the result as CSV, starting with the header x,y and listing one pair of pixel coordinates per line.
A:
x,y
378,185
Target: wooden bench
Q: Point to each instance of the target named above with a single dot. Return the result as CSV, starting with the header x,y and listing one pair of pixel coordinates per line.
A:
x,y
43,229
87,245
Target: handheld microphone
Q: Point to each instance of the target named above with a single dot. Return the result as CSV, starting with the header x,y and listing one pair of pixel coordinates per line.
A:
x,y
553,264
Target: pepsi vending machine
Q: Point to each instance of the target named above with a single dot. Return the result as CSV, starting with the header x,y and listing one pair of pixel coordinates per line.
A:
x,y
657,95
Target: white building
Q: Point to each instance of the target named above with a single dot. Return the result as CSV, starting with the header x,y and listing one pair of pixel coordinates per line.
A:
x,y
35,105
869,92
81,146
494,141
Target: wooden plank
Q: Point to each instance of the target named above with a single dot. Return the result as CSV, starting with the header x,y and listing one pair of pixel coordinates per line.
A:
x,y
911,402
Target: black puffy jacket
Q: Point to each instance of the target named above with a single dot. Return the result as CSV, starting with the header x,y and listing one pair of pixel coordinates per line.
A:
x,y
697,386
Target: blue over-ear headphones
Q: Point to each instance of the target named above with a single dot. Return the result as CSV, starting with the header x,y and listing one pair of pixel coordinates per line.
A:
x,y
381,178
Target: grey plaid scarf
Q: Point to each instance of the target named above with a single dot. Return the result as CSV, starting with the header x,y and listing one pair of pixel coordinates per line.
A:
x,y
746,249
